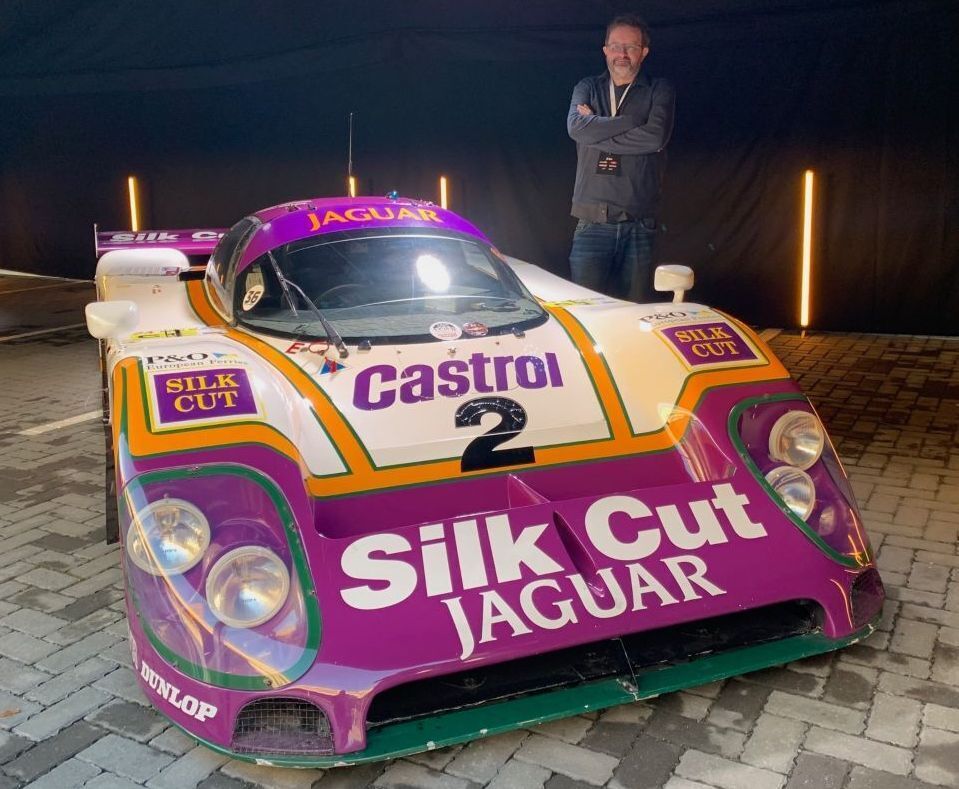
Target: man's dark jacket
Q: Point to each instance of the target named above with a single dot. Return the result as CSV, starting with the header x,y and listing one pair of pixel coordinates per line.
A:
x,y
638,134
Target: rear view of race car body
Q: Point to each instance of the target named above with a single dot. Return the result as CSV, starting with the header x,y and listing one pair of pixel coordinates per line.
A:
x,y
383,489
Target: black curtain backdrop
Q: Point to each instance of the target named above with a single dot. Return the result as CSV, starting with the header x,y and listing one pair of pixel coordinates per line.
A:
x,y
221,111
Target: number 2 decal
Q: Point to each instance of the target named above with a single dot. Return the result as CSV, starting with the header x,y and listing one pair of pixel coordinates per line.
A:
x,y
481,452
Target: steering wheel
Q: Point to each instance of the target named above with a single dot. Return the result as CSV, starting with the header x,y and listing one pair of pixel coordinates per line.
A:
x,y
340,300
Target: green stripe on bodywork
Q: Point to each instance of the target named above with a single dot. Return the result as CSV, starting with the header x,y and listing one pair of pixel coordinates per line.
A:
x,y
733,427
589,375
239,681
450,728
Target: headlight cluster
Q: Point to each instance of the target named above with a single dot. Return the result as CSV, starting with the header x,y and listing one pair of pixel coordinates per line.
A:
x,y
168,537
788,450
796,439
795,487
246,586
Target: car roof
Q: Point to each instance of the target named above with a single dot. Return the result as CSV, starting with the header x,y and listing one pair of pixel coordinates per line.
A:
x,y
288,222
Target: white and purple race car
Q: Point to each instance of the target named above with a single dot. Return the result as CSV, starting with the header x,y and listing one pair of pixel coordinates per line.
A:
x,y
382,489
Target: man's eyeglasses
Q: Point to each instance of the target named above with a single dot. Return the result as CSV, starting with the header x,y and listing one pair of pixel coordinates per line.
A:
x,y
625,49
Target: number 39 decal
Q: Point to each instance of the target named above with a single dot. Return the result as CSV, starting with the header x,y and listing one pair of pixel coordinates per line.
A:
x,y
482,452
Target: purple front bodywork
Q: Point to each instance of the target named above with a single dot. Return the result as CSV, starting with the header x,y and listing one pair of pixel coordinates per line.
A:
x,y
429,581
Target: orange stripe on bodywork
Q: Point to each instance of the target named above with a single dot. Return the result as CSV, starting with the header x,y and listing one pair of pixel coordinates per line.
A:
x,y
338,428
201,305
598,372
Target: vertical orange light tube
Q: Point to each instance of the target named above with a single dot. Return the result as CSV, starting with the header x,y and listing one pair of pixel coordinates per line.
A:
x,y
806,282
351,185
132,189
444,199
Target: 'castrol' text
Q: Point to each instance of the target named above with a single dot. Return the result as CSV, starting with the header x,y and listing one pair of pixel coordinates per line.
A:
x,y
381,385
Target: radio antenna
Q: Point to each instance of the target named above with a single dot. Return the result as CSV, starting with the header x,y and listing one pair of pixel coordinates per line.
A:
x,y
350,180
349,153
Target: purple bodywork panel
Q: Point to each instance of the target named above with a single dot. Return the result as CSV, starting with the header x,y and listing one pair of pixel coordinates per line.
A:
x,y
484,571
284,224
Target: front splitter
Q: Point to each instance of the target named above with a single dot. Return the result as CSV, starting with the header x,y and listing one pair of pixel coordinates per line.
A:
x,y
450,728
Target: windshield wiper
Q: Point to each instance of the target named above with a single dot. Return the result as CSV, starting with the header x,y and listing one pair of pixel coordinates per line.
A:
x,y
331,333
507,305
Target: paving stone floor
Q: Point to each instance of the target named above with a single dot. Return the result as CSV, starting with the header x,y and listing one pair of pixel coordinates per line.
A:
x,y
881,714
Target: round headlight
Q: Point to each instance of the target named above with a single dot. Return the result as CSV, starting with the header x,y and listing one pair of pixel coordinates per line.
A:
x,y
247,586
795,487
797,438
168,537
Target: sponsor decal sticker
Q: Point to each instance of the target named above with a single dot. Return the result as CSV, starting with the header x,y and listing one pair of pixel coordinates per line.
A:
x,y
252,297
383,385
444,330
704,344
163,237
365,214
579,302
318,346
331,366
475,329
219,393
162,334
172,695
647,556
175,361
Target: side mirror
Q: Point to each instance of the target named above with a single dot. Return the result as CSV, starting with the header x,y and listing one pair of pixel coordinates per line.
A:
x,y
678,279
109,319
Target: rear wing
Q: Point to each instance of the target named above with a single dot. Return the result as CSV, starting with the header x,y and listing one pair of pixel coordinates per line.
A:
x,y
195,241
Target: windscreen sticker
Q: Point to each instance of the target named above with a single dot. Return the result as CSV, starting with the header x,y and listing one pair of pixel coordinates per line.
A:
x,y
475,329
222,393
252,297
708,344
444,330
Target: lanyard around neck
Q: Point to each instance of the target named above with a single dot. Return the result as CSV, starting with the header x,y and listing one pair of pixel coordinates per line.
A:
x,y
613,104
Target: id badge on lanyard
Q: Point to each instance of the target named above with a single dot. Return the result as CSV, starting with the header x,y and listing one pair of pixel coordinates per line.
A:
x,y
609,163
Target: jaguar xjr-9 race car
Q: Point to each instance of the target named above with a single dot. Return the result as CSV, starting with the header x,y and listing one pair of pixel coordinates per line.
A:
x,y
382,488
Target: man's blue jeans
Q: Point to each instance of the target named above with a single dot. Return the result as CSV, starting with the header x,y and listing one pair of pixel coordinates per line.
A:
x,y
613,258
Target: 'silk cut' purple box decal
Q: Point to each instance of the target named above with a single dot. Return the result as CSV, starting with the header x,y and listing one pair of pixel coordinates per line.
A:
x,y
708,343
191,395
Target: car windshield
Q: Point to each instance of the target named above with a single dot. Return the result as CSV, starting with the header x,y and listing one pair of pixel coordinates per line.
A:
x,y
402,286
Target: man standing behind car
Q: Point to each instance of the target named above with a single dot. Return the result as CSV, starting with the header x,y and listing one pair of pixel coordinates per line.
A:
x,y
621,121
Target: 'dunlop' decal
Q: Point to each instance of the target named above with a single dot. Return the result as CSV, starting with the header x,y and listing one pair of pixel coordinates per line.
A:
x,y
206,394
708,344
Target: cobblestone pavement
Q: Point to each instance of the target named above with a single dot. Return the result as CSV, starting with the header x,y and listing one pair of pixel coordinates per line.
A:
x,y
884,713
